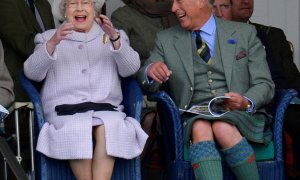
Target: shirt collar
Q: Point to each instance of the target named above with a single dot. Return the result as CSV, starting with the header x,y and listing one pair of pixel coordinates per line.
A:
x,y
210,26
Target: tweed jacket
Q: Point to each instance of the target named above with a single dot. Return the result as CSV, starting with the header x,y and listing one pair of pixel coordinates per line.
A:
x,y
248,75
286,74
6,83
18,28
84,69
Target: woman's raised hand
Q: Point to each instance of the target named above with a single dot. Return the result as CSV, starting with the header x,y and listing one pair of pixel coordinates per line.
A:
x,y
61,33
107,26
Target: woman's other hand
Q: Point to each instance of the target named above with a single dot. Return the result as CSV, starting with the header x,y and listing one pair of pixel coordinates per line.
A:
x,y
109,30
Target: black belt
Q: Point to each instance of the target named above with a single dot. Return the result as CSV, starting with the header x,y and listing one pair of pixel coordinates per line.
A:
x,y
70,109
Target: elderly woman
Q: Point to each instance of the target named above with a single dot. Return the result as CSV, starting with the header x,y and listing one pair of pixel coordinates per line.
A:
x,y
80,64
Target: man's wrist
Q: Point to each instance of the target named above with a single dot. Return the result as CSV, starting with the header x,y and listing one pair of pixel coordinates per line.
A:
x,y
249,105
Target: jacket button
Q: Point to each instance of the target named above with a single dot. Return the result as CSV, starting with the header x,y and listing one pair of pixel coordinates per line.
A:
x,y
191,88
80,46
185,107
210,81
84,71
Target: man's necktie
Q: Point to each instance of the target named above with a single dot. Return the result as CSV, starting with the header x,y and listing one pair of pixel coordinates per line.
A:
x,y
31,5
202,48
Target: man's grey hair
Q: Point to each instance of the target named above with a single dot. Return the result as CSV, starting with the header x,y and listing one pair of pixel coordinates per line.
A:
x,y
58,8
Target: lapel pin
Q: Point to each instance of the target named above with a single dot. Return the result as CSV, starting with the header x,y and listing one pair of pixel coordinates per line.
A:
x,y
231,41
105,38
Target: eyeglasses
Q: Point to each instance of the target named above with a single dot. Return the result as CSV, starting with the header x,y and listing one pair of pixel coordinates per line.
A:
x,y
84,4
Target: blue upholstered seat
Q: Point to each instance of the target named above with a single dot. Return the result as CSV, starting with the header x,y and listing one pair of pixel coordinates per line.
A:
x,y
52,169
179,168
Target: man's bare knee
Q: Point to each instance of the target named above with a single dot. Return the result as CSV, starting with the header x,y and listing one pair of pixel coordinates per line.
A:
x,y
201,131
227,135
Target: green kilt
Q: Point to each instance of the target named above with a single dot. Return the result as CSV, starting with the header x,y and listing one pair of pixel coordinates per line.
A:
x,y
251,126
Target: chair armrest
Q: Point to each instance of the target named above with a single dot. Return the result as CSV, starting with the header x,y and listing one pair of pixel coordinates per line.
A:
x,y
34,96
282,100
132,97
171,125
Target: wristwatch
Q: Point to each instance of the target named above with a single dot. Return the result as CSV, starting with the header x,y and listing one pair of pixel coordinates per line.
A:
x,y
116,37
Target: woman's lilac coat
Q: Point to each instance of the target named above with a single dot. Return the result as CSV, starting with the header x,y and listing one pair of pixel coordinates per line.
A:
x,y
83,68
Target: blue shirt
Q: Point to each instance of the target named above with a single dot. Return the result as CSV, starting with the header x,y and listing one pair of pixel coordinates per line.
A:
x,y
208,33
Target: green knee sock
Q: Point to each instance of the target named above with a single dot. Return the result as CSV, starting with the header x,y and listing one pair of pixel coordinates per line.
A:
x,y
206,161
241,159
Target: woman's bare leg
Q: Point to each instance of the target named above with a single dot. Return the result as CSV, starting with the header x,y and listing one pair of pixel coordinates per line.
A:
x,y
102,163
82,169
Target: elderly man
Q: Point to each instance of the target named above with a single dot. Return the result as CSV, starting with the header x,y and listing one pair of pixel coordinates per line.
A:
x,y
203,58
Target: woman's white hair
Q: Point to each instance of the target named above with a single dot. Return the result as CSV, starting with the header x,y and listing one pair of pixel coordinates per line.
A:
x,y
58,8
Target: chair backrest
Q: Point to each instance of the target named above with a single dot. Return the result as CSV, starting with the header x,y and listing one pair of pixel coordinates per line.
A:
x,y
52,169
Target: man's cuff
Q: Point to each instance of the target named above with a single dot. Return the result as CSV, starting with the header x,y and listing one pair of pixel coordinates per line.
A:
x,y
252,105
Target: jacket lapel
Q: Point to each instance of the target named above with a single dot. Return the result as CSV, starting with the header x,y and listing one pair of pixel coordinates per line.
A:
x,y
183,47
227,45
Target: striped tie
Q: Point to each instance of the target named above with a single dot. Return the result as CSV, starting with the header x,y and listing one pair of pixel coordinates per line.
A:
x,y
202,48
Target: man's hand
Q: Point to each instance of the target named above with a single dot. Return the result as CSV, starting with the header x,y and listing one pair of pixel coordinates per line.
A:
x,y
159,72
236,102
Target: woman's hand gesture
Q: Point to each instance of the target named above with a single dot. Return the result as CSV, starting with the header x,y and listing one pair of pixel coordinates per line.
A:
x,y
61,33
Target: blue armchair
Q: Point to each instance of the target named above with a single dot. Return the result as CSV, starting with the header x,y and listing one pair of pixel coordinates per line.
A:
x,y
178,167
52,169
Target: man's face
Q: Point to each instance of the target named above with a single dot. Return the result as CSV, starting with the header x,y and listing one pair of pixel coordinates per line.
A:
x,y
187,12
222,9
242,10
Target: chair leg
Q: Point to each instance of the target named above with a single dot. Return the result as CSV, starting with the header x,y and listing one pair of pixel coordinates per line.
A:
x,y
11,160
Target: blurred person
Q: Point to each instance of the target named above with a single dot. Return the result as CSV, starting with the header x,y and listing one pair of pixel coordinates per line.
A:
x,y
222,9
6,84
6,96
203,58
81,63
20,21
285,73
141,20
